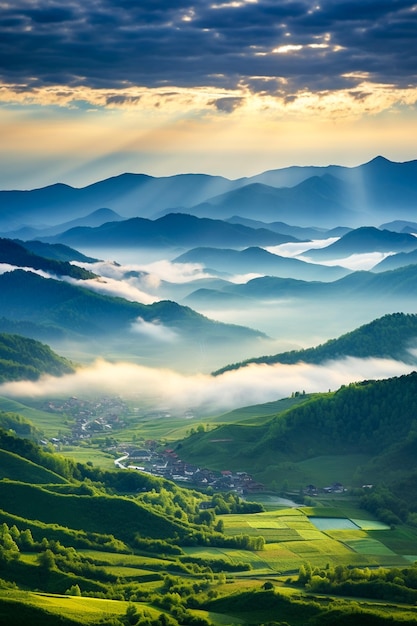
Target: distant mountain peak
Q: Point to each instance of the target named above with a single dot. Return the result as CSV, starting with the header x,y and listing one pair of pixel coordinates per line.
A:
x,y
379,160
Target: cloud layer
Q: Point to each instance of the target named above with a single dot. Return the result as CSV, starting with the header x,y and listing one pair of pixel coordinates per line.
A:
x,y
268,46
201,392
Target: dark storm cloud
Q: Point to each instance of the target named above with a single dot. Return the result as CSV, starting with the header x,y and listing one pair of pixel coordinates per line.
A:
x,y
119,43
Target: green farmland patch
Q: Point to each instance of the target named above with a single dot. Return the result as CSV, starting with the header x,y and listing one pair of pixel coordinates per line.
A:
x,y
126,560
82,610
84,454
365,524
401,540
367,545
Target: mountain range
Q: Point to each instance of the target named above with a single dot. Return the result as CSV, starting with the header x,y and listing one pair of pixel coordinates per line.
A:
x,y
96,218
172,230
303,233
360,285
324,196
69,528
365,239
256,260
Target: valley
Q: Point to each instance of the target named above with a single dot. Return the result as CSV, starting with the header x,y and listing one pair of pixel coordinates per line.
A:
x,y
208,400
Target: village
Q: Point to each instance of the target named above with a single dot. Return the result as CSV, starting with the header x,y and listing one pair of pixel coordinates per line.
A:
x,y
86,418
89,419
165,463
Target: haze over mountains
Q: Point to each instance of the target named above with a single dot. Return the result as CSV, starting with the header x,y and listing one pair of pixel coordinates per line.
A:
x,y
304,196
259,261
287,258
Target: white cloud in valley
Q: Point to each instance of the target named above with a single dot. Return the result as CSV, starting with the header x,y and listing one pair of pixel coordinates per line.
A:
x,y
126,289
6,267
145,278
154,330
250,385
150,274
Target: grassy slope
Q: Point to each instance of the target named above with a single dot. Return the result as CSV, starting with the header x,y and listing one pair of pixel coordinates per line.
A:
x,y
16,468
48,423
117,516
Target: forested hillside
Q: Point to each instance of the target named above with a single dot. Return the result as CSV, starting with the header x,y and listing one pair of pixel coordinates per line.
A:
x,y
57,306
390,337
24,358
374,420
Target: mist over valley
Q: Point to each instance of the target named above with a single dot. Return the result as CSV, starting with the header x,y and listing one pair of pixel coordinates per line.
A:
x,y
262,285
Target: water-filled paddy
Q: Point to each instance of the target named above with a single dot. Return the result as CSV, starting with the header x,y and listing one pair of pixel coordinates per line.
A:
x,y
333,523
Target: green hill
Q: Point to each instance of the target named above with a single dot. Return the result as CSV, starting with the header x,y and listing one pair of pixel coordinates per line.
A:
x,y
59,307
24,358
259,412
103,514
14,467
387,337
89,500
371,420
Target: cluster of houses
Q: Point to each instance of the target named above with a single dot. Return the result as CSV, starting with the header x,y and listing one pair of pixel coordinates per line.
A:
x,y
312,490
87,418
167,464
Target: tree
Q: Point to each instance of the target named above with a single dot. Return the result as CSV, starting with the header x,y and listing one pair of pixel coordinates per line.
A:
x,y
46,560
73,591
132,615
219,526
267,586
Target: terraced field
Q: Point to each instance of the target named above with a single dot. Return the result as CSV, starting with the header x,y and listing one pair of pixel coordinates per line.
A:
x,y
292,538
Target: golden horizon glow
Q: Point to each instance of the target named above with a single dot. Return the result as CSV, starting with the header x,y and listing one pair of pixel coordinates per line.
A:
x,y
163,131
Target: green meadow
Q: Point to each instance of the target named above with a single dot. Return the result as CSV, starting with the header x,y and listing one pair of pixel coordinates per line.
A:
x,y
89,454
50,424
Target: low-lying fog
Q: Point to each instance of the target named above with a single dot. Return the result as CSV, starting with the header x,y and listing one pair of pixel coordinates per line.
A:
x,y
202,393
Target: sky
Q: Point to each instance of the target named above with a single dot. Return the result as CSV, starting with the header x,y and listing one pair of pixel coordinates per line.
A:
x,y
93,89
